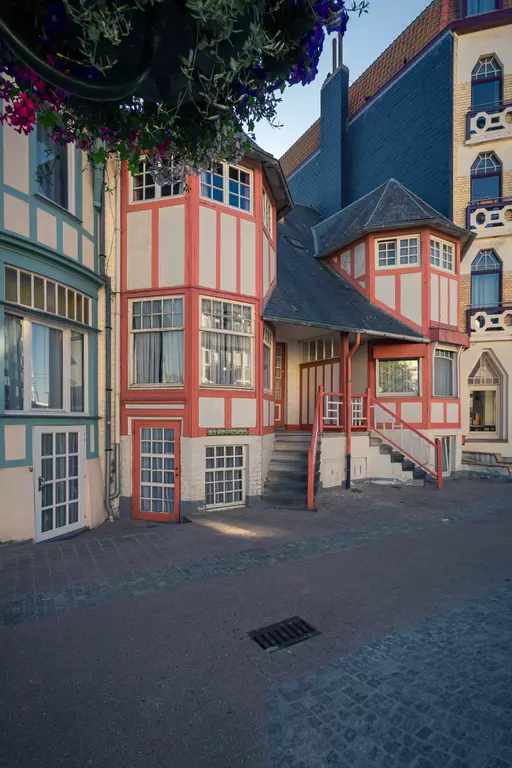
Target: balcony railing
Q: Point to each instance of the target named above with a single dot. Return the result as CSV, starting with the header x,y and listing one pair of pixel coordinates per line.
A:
x,y
490,218
485,321
489,122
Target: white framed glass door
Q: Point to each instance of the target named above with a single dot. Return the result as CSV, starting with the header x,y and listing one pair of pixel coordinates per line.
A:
x,y
59,478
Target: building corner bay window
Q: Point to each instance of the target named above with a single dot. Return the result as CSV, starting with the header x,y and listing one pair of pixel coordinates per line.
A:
x,y
445,373
52,168
399,377
227,331
157,331
51,375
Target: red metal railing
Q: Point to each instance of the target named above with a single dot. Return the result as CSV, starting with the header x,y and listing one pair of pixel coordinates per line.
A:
x,y
333,411
313,448
406,439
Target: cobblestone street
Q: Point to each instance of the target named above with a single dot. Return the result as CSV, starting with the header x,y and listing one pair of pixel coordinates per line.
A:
x,y
127,646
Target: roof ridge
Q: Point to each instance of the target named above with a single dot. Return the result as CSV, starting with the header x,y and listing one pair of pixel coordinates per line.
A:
x,y
379,201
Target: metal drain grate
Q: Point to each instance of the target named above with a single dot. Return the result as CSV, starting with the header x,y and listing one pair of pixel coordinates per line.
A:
x,y
284,633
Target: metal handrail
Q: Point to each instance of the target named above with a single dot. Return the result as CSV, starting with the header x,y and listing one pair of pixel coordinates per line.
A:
x,y
313,448
437,473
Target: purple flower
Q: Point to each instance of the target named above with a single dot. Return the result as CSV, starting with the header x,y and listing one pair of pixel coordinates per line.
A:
x,y
56,19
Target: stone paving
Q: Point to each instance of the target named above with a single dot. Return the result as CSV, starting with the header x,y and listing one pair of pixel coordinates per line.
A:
x,y
127,647
436,694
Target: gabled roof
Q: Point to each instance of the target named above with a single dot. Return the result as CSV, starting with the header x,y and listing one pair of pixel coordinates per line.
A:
x,y
310,293
390,206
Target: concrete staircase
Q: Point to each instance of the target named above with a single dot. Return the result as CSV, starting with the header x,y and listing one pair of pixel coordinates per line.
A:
x,y
387,465
287,480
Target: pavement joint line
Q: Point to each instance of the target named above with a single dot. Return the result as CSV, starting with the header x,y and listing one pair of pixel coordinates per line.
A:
x,y
38,605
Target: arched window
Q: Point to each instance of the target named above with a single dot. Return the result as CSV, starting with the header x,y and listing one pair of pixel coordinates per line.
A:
x,y
486,280
486,177
486,83
485,396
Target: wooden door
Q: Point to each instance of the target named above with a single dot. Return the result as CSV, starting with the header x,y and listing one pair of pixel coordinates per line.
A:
x,y
156,470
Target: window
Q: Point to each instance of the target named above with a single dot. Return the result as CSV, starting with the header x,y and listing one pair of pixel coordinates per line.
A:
x,y
320,349
157,331
441,254
486,177
484,396
224,475
144,187
157,456
44,366
268,212
229,184
486,83
268,341
473,7
486,280
445,373
226,344
399,252
52,168
399,377
29,290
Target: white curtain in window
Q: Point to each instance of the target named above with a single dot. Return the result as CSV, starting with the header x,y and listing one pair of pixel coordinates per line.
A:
x,y
226,359
146,363
443,377
158,357
13,363
172,357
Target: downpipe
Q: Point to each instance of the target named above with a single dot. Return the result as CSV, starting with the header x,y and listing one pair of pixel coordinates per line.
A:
x,y
109,496
348,395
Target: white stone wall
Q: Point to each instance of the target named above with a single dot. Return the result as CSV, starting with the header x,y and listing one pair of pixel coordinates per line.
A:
x,y
258,451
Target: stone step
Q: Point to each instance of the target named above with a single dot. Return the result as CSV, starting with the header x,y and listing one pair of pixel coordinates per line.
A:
x,y
289,465
285,500
385,448
292,487
397,457
294,475
408,465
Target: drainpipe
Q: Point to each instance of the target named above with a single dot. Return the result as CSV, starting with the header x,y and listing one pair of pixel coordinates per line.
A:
x,y
108,355
348,395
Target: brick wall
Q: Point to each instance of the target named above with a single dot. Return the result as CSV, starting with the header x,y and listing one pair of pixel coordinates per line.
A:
x,y
406,132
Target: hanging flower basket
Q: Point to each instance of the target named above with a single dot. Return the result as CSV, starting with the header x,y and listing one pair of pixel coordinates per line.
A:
x,y
180,81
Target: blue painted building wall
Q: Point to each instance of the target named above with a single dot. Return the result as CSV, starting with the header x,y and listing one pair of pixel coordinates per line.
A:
x,y
404,133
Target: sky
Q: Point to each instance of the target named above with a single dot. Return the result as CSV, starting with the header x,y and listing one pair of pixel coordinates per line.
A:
x,y
366,38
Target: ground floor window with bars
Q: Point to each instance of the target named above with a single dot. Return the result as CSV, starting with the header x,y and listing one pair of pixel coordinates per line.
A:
x,y
225,472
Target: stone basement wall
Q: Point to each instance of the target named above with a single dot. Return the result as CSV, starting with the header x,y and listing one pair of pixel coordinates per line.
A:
x,y
485,466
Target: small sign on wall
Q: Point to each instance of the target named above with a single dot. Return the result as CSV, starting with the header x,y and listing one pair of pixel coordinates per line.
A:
x,y
226,432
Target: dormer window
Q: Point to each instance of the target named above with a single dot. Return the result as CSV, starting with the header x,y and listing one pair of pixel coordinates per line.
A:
x,y
397,252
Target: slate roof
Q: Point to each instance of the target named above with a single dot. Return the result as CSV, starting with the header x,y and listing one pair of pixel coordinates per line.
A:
x,y
388,65
390,206
308,292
